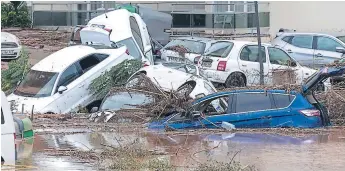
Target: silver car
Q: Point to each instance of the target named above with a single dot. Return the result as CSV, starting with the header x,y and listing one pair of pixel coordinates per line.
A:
x,y
311,49
185,48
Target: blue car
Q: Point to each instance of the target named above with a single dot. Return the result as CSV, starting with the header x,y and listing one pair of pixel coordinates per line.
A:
x,y
257,108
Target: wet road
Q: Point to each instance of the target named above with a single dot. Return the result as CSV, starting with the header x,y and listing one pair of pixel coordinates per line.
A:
x,y
268,152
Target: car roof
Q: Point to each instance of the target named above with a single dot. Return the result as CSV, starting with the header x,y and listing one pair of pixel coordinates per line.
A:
x,y
243,91
242,42
198,39
301,33
61,59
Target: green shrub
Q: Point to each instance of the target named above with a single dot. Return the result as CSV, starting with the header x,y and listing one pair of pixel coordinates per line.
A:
x,y
14,16
16,71
117,75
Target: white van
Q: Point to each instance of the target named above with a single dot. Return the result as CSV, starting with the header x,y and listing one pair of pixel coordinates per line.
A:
x,y
128,29
59,83
8,148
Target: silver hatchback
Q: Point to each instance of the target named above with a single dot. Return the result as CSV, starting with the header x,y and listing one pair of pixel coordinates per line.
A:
x,y
311,49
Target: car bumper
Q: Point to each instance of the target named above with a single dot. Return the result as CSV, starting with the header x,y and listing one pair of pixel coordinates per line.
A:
x,y
215,76
14,55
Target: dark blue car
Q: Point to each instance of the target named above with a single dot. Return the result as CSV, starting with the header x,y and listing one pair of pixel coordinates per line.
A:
x,y
257,108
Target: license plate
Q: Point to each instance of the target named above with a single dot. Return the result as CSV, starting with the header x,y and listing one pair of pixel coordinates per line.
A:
x,y
206,64
7,52
176,59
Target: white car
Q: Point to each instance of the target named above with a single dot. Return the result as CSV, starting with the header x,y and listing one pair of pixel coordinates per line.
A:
x,y
126,28
194,48
176,76
8,136
59,83
10,46
236,63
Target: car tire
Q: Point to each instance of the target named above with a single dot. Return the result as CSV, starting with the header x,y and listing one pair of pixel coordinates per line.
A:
x,y
235,80
186,89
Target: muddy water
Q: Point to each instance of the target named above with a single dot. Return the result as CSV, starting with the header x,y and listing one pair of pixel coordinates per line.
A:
x,y
269,152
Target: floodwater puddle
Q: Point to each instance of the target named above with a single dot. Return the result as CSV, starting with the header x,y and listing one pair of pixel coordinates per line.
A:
x,y
266,151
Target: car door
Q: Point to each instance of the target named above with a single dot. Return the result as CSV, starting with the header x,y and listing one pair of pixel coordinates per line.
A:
x,y
300,47
325,50
280,62
69,78
248,61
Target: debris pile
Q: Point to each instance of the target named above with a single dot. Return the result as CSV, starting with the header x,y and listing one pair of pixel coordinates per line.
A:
x,y
50,40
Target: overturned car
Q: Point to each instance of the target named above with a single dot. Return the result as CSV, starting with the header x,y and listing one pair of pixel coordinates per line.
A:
x,y
257,108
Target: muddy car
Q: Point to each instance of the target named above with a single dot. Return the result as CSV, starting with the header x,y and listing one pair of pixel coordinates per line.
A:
x,y
257,108
183,77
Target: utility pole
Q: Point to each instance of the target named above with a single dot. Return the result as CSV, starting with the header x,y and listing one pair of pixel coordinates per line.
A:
x,y
259,43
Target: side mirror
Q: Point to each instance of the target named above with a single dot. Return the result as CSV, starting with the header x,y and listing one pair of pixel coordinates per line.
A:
x,y
61,89
198,96
293,63
340,50
94,109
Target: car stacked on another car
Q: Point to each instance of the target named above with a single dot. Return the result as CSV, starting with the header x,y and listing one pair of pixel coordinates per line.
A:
x,y
10,46
311,49
236,63
191,47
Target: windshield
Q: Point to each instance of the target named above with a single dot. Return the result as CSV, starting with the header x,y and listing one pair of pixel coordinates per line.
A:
x,y
37,84
341,38
221,49
125,100
190,45
132,47
190,69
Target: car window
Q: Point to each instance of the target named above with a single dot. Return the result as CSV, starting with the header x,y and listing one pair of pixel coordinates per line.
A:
x,y
101,57
248,102
215,106
136,33
220,49
125,100
37,84
251,53
69,75
132,47
2,117
302,41
282,100
279,57
341,38
287,39
88,63
327,44
190,46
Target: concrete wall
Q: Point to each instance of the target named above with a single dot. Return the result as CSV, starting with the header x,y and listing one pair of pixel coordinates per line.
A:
x,y
317,16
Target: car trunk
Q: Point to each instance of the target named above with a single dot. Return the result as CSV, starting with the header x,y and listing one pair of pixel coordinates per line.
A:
x,y
311,85
95,35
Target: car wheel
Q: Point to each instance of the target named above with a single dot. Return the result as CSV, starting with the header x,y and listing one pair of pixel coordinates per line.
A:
x,y
135,81
186,89
235,80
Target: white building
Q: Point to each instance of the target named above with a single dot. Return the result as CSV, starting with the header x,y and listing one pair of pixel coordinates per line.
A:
x,y
227,16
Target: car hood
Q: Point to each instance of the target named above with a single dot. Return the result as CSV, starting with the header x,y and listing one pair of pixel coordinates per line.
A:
x,y
8,37
167,78
321,75
39,104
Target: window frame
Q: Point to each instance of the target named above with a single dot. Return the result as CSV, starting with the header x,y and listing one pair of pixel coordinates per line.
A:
x,y
291,59
79,70
268,94
283,94
312,41
264,49
316,38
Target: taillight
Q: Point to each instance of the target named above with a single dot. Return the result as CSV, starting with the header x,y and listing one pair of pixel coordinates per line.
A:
x,y
310,112
145,64
196,59
221,66
127,51
106,29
